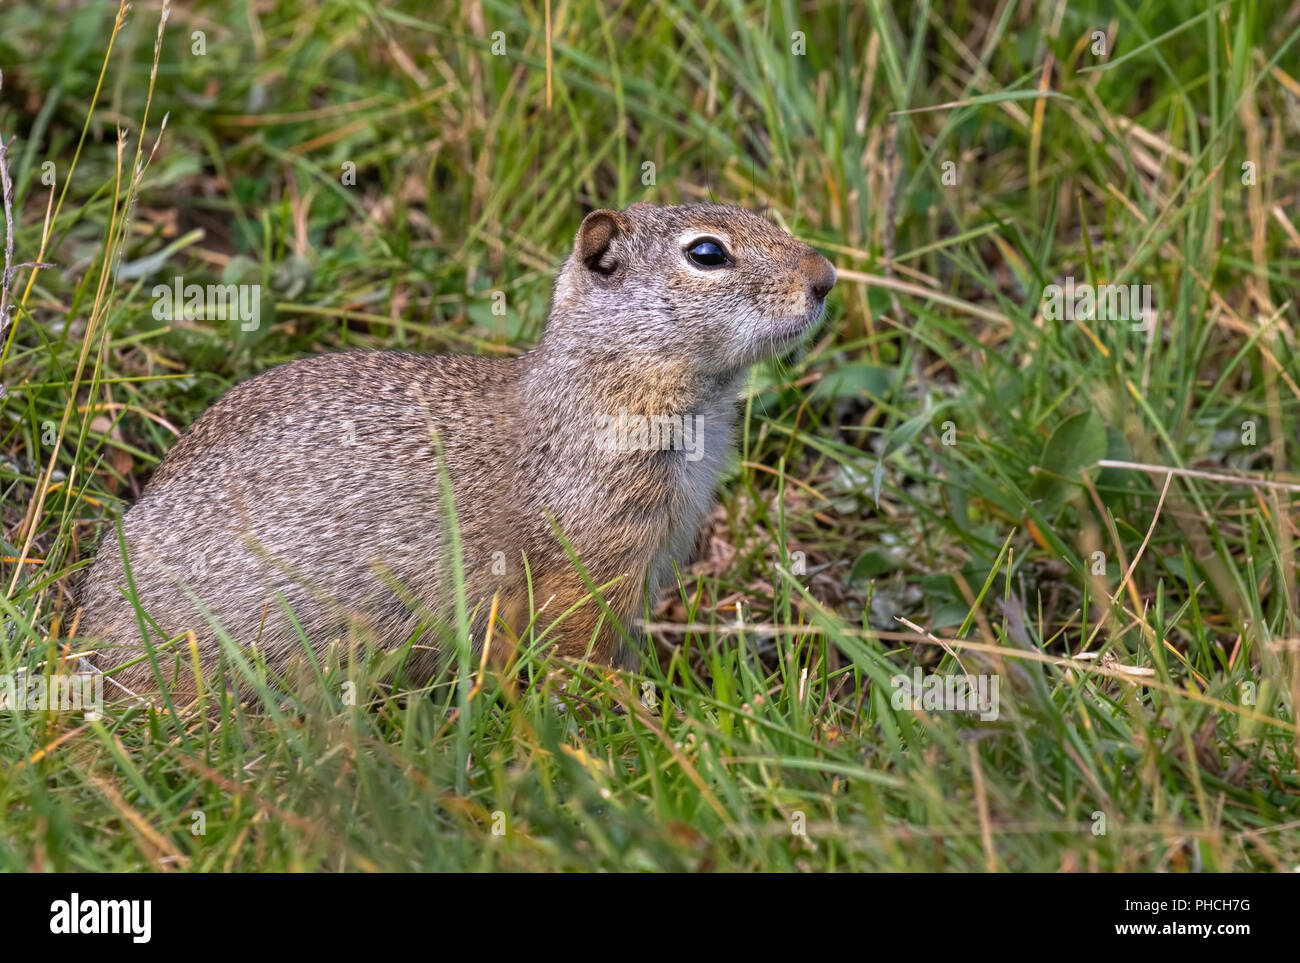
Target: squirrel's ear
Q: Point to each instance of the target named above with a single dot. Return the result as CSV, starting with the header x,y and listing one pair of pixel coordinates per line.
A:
x,y
597,242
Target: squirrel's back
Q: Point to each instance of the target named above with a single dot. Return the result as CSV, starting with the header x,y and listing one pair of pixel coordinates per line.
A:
x,y
316,480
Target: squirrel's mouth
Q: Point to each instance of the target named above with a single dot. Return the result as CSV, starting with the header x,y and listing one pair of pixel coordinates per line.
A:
x,y
792,329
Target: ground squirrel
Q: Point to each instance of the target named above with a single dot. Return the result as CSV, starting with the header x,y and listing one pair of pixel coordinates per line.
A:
x,y
319,480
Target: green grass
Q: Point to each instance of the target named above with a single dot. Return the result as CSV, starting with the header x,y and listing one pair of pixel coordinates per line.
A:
x,y
472,173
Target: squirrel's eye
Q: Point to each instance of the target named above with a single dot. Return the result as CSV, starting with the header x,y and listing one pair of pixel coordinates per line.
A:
x,y
707,254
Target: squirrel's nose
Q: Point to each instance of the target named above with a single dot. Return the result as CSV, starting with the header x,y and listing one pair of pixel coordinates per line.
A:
x,y
820,274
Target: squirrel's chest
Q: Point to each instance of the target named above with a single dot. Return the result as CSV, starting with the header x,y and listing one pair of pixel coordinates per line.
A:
x,y
692,482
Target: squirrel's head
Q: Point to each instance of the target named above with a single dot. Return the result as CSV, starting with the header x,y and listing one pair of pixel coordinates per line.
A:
x,y
712,286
